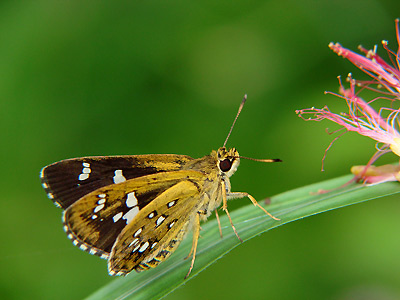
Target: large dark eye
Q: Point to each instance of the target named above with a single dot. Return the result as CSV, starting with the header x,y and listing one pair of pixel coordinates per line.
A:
x,y
225,165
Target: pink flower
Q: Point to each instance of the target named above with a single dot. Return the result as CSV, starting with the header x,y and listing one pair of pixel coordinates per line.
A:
x,y
381,125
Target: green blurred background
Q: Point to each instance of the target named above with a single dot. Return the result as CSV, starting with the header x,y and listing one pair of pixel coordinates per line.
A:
x,y
85,78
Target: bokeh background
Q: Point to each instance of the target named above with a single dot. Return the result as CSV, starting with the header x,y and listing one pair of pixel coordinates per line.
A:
x,y
85,78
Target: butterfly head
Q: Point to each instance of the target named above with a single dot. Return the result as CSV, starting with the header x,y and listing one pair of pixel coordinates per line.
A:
x,y
228,160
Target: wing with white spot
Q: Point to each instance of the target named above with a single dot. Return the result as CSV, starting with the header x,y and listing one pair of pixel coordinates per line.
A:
x,y
68,180
94,222
158,229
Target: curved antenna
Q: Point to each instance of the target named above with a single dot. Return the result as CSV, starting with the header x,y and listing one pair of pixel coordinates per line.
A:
x,y
237,115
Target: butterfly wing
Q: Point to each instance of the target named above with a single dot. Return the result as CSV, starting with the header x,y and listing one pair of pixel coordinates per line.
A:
x,y
158,228
96,220
68,180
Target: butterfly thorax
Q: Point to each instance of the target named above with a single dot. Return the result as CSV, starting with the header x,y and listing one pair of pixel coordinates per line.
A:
x,y
217,168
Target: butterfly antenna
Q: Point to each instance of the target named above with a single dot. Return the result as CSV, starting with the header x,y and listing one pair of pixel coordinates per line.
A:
x,y
262,160
237,115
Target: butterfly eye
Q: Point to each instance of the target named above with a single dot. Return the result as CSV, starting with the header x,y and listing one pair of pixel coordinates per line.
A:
x,y
225,165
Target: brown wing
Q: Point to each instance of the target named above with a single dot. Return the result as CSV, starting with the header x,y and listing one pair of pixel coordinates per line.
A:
x,y
95,221
158,228
68,180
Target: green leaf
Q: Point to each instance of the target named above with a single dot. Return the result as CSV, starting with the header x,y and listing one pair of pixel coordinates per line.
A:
x,y
249,221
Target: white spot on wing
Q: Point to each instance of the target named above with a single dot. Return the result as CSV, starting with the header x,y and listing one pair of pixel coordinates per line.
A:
x,y
42,172
144,247
170,204
98,208
134,242
131,200
101,195
83,176
131,214
85,171
160,220
111,272
101,201
117,217
94,217
137,247
137,232
118,177
151,215
152,246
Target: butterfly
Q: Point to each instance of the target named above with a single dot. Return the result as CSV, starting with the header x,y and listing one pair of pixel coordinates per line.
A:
x,y
134,210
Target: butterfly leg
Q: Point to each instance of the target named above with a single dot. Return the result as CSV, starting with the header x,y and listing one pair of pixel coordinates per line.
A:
x,y
196,233
201,212
234,195
219,223
225,208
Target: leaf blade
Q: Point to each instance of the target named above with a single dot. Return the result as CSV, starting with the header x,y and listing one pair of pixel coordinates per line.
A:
x,y
250,222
